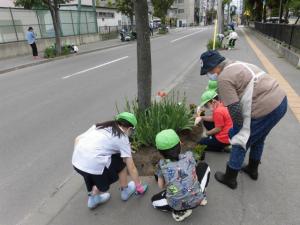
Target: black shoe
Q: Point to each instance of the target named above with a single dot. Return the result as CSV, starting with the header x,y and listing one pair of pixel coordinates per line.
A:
x,y
252,169
228,178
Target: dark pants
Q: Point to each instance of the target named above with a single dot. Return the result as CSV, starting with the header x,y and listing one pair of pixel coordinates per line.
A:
x,y
232,42
259,130
211,142
108,177
34,49
159,200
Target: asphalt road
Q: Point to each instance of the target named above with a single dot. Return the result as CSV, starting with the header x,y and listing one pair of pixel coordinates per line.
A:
x,y
44,107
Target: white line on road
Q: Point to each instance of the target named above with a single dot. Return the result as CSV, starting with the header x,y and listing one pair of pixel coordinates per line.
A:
x,y
104,64
186,36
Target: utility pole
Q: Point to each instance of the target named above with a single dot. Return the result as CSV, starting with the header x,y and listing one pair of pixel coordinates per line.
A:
x,y
220,17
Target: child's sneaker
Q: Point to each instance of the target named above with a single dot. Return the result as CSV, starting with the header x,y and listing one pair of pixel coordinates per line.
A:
x,y
227,149
127,192
181,215
204,202
95,200
141,189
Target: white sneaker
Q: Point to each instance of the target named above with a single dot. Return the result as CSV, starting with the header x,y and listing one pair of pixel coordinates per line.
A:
x,y
96,200
127,192
181,215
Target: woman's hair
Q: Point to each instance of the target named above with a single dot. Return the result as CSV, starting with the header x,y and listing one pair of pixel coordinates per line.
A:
x,y
172,154
114,124
30,28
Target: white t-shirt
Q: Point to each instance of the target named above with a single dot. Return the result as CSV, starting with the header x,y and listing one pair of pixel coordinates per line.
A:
x,y
94,148
233,35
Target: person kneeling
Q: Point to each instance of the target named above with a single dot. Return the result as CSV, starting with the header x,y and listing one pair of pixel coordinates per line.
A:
x,y
102,155
217,125
184,182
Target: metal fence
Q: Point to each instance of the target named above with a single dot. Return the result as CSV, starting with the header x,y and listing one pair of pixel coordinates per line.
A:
x,y
15,22
287,33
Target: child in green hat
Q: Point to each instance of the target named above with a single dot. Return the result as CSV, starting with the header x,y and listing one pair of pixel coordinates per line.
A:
x,y
217,125
184,182
102,156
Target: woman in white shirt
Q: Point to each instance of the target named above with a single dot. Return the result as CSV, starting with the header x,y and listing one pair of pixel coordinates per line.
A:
x,y
102,155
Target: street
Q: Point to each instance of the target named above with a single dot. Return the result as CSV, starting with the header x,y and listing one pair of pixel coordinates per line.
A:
x,y
44,107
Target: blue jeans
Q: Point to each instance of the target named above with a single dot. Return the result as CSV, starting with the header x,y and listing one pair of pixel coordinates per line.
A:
x,y
259,130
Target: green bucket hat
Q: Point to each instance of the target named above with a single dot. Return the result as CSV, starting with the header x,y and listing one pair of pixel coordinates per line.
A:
x,y
212,85
207,96
129,117
166,139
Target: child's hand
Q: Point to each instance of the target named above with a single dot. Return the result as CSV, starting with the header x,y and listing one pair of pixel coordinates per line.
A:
x,y
141,188
197,120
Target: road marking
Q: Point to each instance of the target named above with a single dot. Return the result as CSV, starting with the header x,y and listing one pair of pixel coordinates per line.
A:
x,y
96,67
178,39
293,97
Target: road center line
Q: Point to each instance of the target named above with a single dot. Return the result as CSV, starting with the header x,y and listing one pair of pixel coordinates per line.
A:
x,y
186,36
96,67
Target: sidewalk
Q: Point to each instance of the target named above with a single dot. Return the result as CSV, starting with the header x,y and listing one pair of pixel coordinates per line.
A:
x,y
272,200
19,62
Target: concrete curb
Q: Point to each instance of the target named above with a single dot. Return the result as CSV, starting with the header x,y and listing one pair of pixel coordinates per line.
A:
x,y
67,56
291,56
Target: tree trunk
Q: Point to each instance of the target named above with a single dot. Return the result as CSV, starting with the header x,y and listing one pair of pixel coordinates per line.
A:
x,y
280,11
144,70
55,18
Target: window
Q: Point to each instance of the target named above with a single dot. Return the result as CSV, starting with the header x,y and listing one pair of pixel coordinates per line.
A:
x,y
106,14
180,1
180,11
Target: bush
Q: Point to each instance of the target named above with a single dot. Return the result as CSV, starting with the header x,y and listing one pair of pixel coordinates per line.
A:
x,y
168,113
163,30
211,43
50,52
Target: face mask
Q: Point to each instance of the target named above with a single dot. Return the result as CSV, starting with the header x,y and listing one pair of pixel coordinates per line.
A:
x,y
212,76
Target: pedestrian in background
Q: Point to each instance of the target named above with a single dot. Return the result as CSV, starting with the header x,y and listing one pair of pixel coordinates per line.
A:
x,y
31,39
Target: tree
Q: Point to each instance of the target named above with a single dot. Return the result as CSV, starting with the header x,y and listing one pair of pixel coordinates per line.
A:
x,y
161,8
53,6
126,7
144,70
233,9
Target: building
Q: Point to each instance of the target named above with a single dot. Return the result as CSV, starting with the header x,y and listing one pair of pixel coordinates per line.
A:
x,y
185,12
107,15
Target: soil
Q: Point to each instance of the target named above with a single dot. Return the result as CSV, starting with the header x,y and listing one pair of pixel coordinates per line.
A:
x,y
146,158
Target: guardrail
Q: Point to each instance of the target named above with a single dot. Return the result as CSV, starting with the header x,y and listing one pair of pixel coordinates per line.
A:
x,y
287,33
